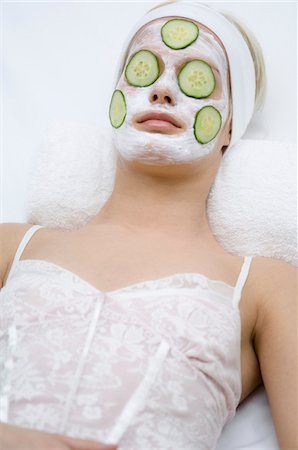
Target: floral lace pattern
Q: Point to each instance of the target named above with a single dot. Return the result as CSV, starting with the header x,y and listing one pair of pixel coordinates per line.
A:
x,y
81,360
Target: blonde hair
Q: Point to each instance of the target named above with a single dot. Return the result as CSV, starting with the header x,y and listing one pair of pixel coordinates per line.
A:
x,y
255,50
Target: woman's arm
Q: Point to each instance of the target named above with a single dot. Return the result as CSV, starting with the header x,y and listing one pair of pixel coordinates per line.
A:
x,y
276,346
18,438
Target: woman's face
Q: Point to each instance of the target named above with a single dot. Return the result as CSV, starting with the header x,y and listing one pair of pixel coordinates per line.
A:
x,y
159,142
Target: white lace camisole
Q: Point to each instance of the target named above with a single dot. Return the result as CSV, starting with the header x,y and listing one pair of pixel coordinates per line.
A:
x,y
154,365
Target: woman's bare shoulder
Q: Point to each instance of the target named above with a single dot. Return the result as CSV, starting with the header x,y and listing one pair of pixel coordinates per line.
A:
x,y
11,235
272,278
271,271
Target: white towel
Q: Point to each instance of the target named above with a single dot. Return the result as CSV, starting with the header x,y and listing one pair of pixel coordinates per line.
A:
x,y
251,206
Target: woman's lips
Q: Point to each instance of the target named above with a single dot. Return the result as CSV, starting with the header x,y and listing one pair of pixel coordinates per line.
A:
x,y
158,121
159,124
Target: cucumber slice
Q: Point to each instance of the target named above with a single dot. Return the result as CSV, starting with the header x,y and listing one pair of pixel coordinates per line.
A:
x,y
117,110
142,69
207,124
179,33
196,79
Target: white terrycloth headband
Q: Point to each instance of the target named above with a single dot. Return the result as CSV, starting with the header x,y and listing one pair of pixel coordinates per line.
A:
x,y
242,73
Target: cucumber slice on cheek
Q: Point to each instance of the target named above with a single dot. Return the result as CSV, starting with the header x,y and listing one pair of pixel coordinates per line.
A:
x,y
142,69
196,79
207,124
117,110
179,33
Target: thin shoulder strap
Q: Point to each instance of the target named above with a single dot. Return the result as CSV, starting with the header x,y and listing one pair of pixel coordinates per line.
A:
x,y
242,279
26,238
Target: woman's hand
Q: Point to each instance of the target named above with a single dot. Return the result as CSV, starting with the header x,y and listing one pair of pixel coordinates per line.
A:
x,y
17,438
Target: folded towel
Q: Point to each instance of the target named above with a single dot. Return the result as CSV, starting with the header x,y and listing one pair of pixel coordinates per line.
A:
x,y
72,177
251,206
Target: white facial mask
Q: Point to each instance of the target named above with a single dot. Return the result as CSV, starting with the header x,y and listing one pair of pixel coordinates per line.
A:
x,y
158,148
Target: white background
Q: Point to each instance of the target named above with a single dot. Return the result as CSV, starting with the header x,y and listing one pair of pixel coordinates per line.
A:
x,y
58,63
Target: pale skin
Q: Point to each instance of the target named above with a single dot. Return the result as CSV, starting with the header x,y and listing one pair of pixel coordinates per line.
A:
x,y
155,224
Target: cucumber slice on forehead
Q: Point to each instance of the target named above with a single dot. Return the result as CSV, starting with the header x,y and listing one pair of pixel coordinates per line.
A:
x,y
207,124
196,79
179,33
142,69
117,110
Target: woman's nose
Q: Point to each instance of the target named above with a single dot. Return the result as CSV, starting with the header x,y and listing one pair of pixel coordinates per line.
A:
x,y
162,95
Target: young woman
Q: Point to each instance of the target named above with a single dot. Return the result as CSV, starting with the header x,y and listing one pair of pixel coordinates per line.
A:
x,y
139,329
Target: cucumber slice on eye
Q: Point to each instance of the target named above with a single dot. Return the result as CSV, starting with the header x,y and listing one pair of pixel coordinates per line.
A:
x,y
196,79
179,33
142,69
207,124
117,110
